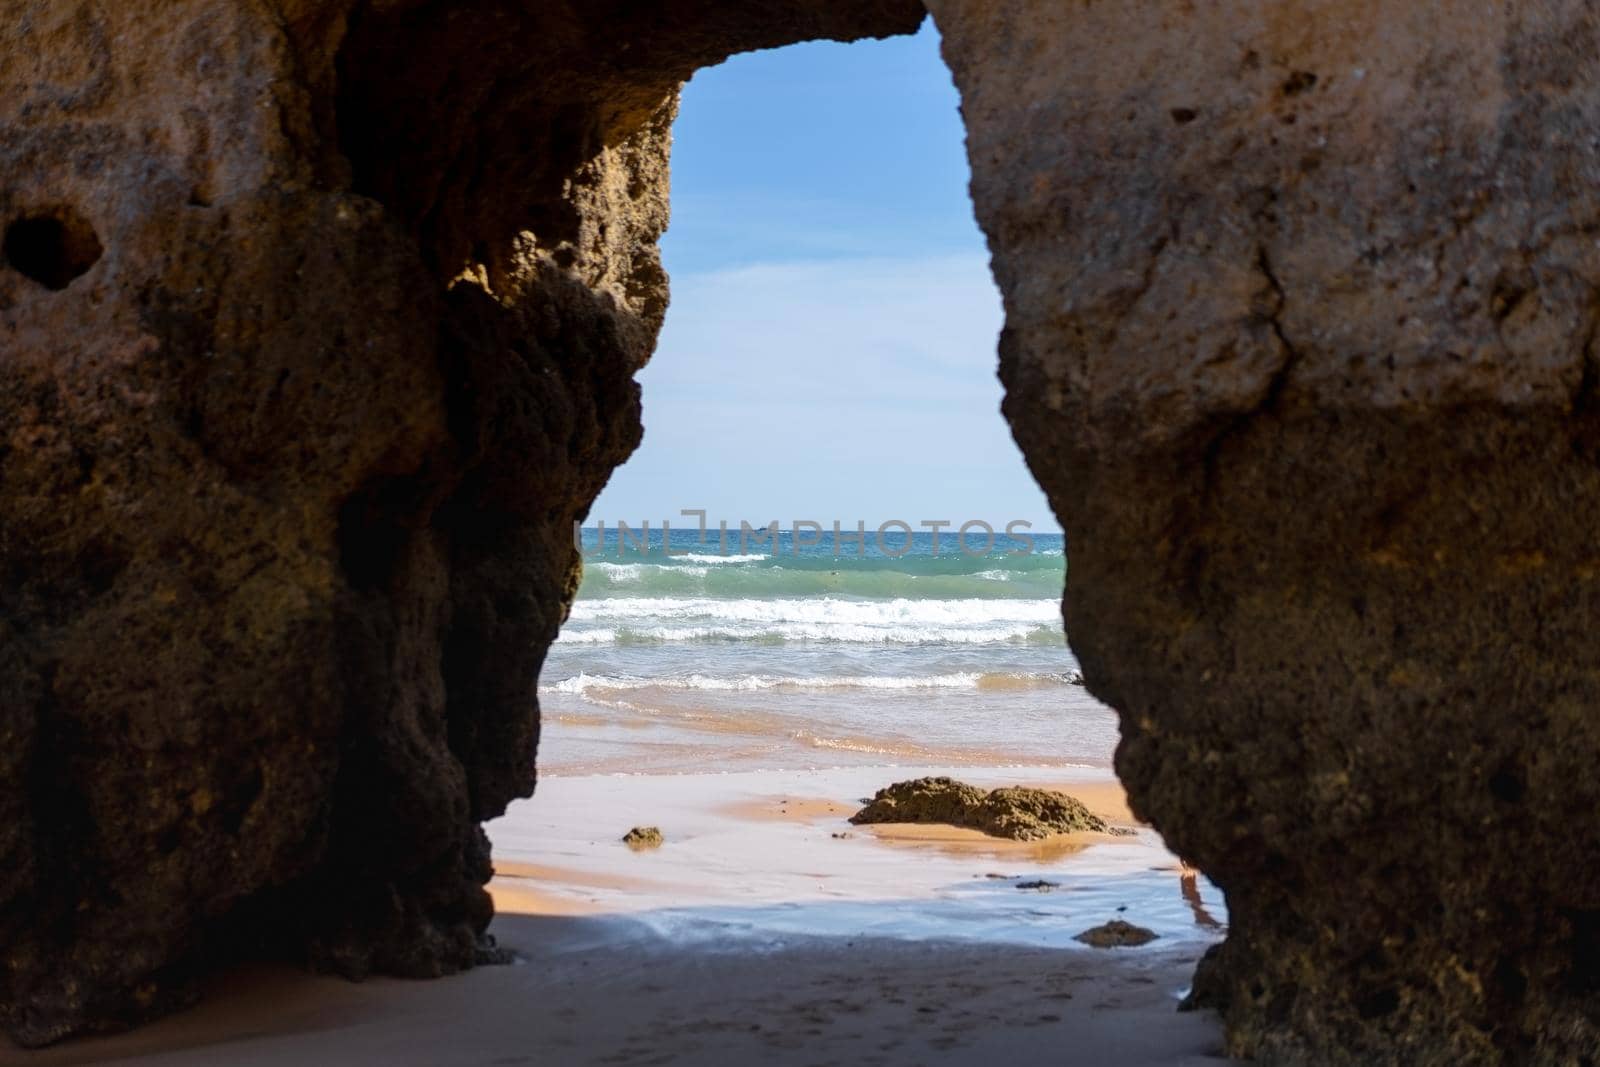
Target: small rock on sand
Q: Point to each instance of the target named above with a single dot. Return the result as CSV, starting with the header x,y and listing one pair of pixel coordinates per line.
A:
x,y
1117,934
1040,885
643,837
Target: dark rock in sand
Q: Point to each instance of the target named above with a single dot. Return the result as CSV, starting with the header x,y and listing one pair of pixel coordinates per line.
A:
x,y
643,837
1014,812
1117,934
940,800
1027,814
1040,885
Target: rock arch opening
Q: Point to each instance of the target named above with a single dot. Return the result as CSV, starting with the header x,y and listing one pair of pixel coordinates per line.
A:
x,y
828,360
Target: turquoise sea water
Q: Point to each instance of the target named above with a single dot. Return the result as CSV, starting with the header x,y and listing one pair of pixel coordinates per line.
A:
x,y
728,652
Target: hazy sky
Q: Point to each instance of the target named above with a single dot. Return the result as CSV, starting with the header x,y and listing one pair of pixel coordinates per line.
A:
x,y
830,349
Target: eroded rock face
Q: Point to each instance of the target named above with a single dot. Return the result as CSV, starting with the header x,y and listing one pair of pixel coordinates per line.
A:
x,y
318,325
1301,340
1016,812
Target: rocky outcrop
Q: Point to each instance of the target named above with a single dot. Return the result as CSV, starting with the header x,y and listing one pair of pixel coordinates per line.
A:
x,y
1118,933
319,320
318,325
1014,812
1301,341
642,838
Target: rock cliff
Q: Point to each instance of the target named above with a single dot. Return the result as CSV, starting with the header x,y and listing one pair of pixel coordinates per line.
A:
x,y
318,326
1301,341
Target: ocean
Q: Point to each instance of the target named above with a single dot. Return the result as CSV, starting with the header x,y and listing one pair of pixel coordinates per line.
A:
x,y
913,650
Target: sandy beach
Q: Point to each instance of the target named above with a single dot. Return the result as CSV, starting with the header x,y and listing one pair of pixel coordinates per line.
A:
x,y
601,991
766,928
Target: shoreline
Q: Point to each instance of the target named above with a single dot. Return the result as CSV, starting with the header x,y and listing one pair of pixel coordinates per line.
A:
x,y
757,855
754,933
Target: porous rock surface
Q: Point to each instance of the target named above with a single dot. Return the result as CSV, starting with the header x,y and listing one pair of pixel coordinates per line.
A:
x,y
641,838
1015,812
318,324
1118,933
1301,308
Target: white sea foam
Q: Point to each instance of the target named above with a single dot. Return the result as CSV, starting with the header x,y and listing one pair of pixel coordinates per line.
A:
x,y
817,610
623,573
677,561
584,683
654,620
894,635
587,637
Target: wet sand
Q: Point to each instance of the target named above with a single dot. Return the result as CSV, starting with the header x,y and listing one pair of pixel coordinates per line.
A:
x,y
766,929
595,991
770,842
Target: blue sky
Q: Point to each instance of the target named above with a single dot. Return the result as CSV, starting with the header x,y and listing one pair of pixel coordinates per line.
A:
x,y
830,349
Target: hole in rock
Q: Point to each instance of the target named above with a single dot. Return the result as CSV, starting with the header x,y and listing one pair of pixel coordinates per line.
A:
x,y
827,370
1299,82
1377,1005
1585,974
1510,980
53,248
374,529
1507,785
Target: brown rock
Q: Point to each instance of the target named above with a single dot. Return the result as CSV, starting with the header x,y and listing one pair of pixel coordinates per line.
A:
x,y
1302,306
641,838
1117,934
318,323
1018,813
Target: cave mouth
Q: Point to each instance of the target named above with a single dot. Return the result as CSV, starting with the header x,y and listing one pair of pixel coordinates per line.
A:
x,y
53,247
826,267
829,356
